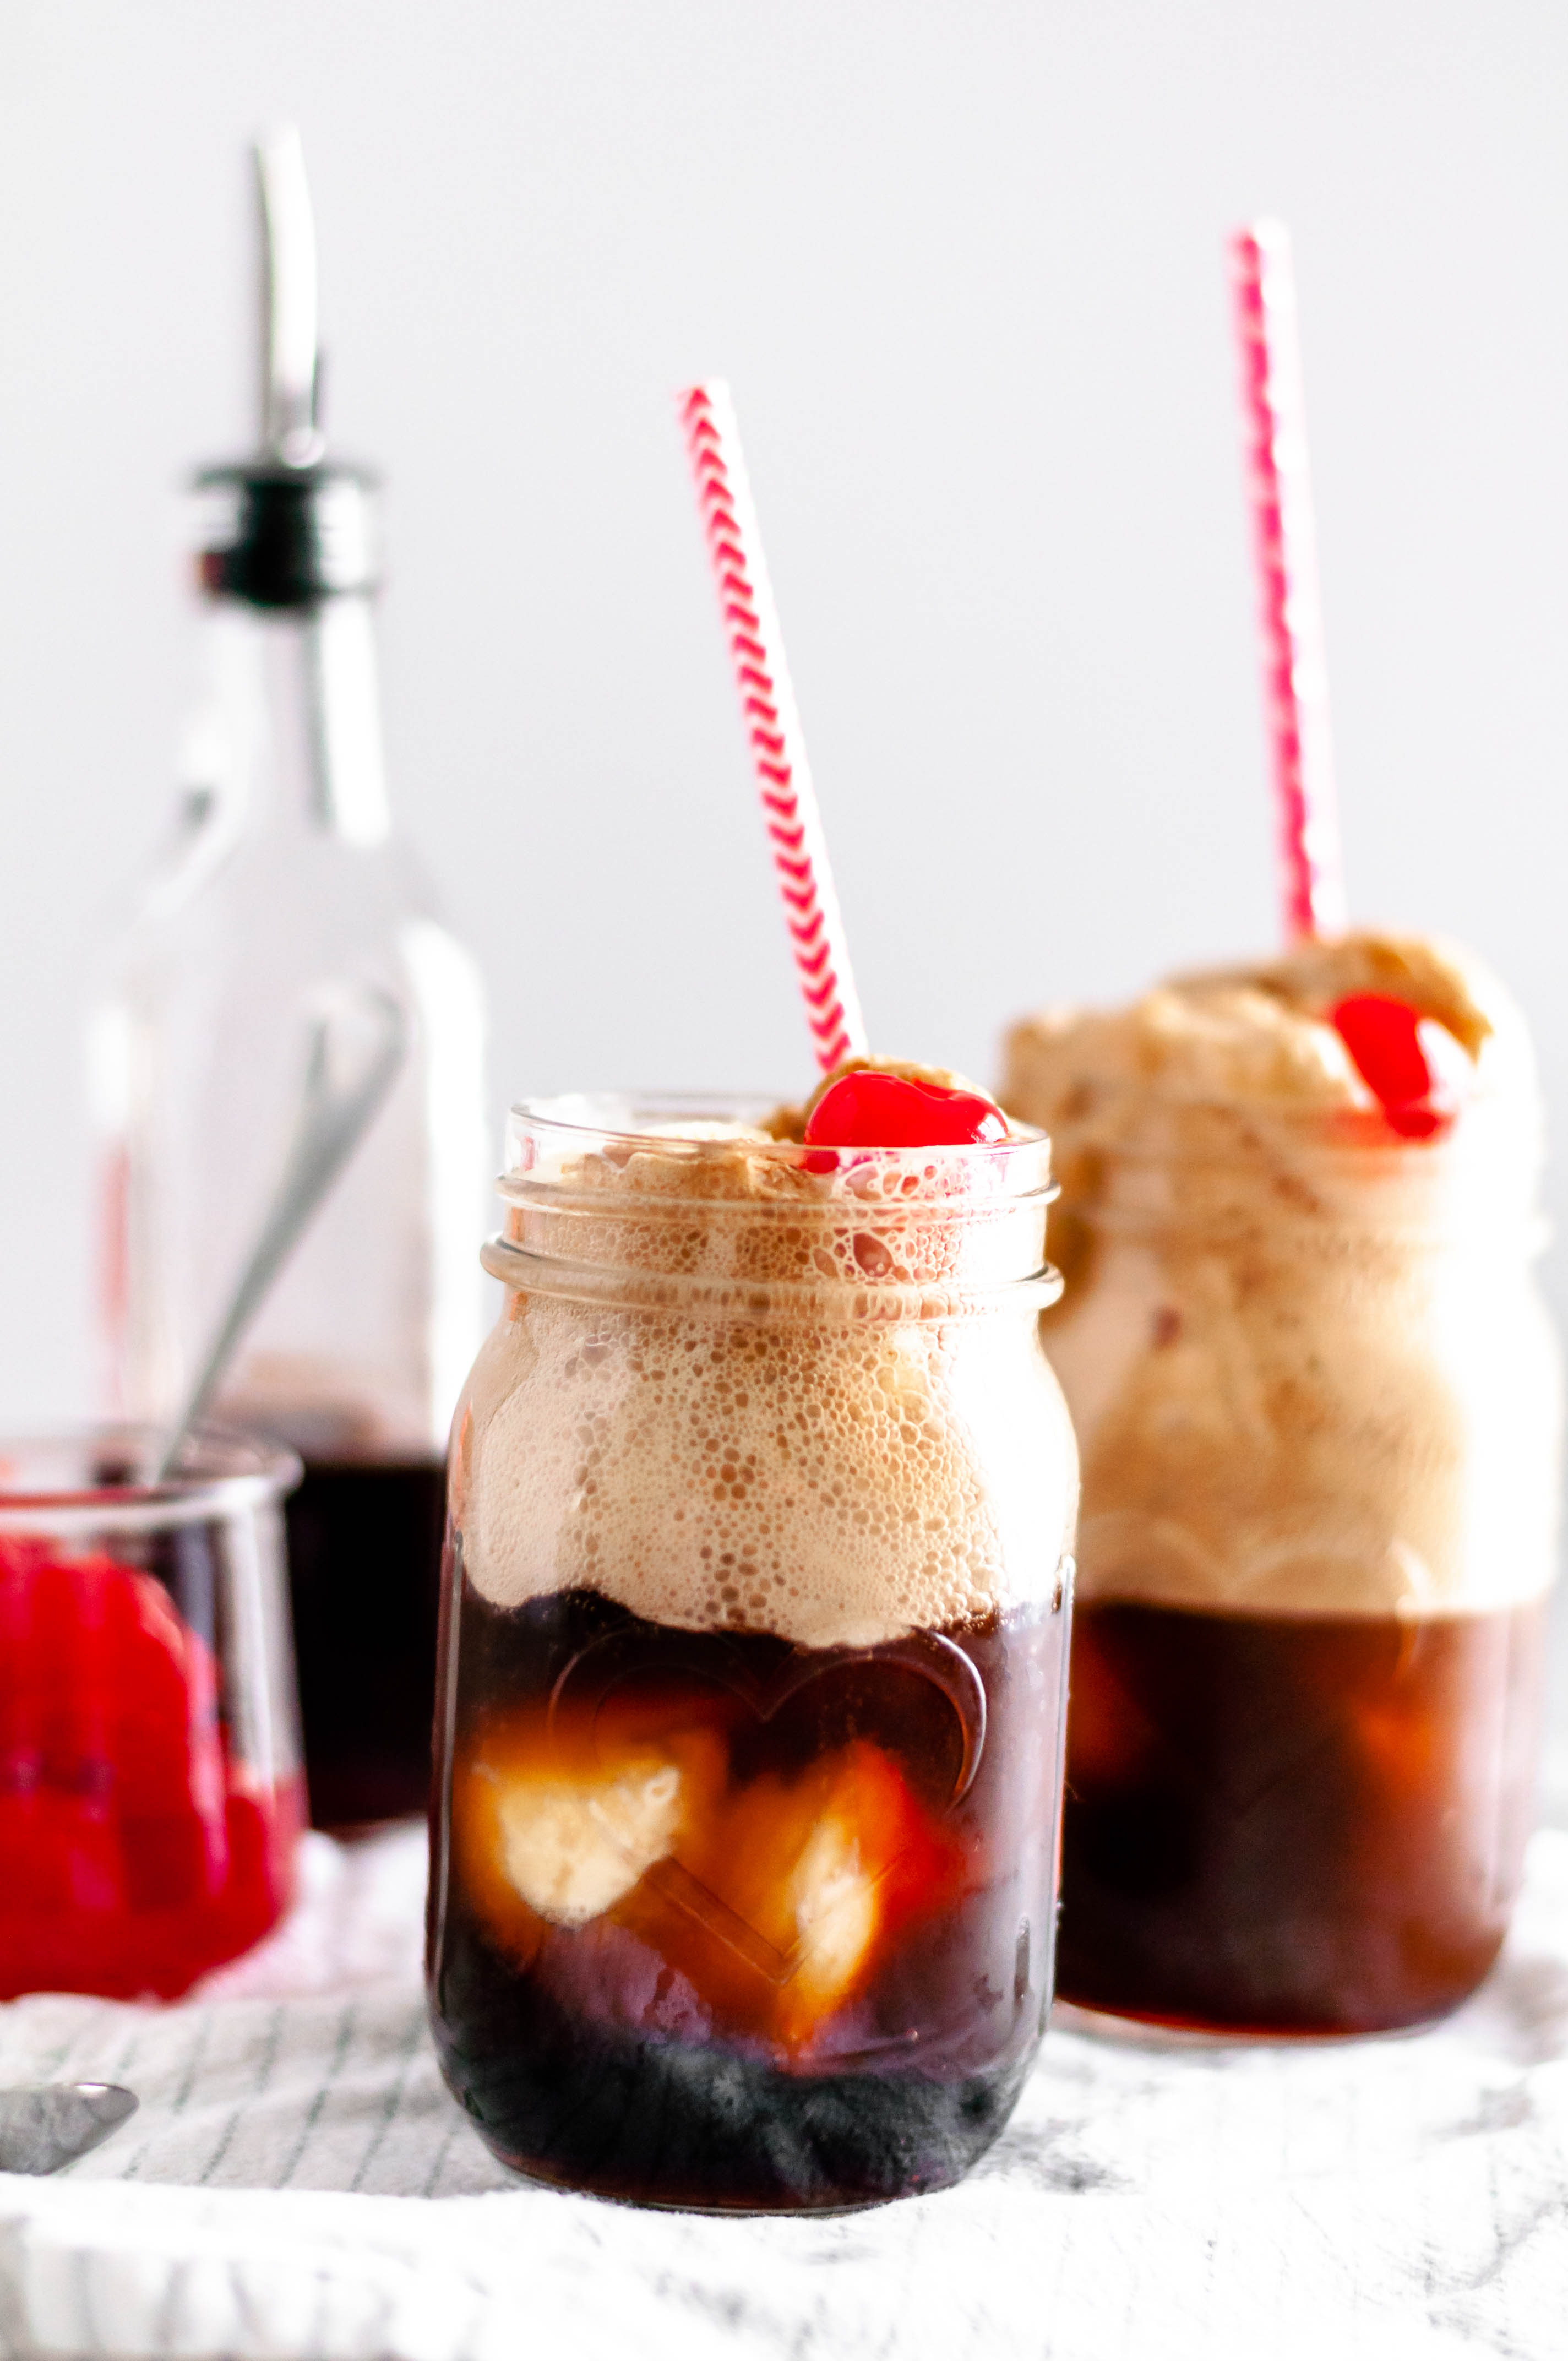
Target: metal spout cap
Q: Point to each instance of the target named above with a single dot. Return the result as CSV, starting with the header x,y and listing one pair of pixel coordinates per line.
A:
x,y
287,529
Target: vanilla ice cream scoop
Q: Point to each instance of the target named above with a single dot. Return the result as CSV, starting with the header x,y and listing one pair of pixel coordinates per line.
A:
x,y
574,1848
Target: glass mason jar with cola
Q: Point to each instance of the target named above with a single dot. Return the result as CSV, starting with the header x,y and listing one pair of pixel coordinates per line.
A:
x,y
1319,1404
754,1662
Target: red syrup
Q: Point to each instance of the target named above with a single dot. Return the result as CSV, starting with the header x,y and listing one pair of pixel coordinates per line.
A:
x,y
136,1851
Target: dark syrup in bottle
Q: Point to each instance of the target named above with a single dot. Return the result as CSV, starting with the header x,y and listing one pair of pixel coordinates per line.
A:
x,y
364,1581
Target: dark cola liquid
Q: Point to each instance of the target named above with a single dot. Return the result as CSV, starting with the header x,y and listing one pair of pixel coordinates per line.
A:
x,y
364,1584
1279,1825
718,1922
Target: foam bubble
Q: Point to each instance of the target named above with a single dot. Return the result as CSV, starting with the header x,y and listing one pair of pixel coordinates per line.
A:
x,y
1309,1368
840,1478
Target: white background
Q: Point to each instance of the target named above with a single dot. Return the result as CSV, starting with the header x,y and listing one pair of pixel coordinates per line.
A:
x,y
961,260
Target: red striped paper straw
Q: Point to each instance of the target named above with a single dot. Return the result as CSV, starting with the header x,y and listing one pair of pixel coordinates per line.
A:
x,y
772,725
1294,678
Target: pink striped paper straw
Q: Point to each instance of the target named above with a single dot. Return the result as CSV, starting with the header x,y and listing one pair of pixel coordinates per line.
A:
x,y
1295,679
772,725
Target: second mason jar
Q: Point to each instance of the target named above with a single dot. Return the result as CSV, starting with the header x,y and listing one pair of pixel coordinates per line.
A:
x,y
1318,1403
754,1649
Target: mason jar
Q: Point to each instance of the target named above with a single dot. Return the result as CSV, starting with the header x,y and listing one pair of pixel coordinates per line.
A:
x,y
1317,1399
753,1679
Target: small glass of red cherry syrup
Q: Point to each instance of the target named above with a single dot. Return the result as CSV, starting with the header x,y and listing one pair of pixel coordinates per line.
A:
x,y
150,1789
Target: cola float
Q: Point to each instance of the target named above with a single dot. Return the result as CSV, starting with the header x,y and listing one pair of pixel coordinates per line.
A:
x,y
754,1655
754,1635
1317,1400
1318,1404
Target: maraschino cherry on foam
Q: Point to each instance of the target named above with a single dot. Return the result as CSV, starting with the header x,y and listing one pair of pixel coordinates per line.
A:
x,y
866,1108
1383,1037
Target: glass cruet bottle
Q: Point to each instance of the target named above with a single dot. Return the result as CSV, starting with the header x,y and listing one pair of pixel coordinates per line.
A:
x,y
284,902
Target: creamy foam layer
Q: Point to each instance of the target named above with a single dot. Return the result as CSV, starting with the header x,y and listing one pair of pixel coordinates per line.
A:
x,y
820,1433
1194,1053
1306,1364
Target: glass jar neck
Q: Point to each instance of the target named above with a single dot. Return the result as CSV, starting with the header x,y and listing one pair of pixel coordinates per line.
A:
x,y
1303,1184
290,731
684,1205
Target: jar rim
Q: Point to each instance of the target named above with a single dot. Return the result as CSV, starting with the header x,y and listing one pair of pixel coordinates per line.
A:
x,y
573,1122
1360,1135
88,1476
560,1237
1308,1232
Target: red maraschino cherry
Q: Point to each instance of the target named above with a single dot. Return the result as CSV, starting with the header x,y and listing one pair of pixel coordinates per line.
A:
x,y
1384,1038
866,1109
131,1858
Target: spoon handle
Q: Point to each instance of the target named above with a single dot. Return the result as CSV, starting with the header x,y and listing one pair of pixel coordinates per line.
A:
x,y
44,2126
336,1112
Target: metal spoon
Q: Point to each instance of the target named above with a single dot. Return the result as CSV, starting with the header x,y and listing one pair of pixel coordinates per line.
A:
x,y
357,1044
46,2125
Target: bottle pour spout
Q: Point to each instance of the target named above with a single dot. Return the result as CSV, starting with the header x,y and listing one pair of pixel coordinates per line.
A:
x,y
290,360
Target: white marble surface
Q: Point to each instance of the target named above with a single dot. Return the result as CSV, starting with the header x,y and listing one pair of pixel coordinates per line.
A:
x,y
298,2184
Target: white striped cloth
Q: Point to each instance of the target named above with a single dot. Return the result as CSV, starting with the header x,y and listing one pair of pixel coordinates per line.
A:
x,y
298,2187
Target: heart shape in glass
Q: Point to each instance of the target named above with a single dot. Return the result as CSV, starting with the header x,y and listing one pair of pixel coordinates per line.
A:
x,y
763,1825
